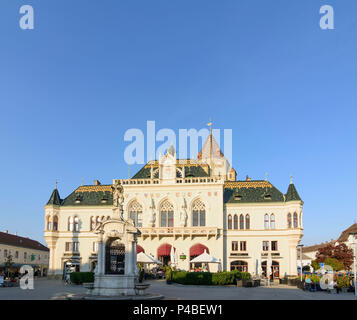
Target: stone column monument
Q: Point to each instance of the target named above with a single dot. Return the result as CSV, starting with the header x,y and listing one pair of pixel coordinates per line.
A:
x,y
117,238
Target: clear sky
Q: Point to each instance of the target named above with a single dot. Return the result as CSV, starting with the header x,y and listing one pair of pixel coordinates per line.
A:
x,y
90,70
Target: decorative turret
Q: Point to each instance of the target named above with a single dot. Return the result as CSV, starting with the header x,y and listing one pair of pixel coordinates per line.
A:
x,y
292,194
55,199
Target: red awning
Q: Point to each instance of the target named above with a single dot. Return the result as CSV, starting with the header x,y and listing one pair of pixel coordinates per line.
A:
x,y
198,249
164,250
139,249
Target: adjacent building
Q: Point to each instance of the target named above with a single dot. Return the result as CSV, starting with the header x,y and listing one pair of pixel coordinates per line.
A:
x,y
191,205
23,251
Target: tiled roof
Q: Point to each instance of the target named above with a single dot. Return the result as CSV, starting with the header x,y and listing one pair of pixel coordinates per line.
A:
x,y
251,191
292,194
345,234
97,195
55,198
13,240
192,169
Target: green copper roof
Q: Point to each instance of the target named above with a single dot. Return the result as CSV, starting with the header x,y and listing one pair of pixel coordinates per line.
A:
x,y
292,194
90,196
190,171
55,198
251,191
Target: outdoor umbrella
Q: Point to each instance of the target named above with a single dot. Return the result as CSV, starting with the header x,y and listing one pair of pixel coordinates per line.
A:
x,y
172,257
145,258
204,258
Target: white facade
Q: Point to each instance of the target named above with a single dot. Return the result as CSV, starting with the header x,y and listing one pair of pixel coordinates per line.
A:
x,y
201,207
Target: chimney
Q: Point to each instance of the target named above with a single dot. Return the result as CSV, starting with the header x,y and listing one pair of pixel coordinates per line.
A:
x,y
247,178
6,231
97,183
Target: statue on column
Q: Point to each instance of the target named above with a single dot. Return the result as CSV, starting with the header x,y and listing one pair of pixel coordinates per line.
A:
x,y
183,213
118,199
152,216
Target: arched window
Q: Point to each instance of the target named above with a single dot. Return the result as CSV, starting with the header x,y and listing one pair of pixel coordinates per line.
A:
x,y
98,220
76,224
300,219
198,214
241,222
235,222
135,213
92,223
272,221
230,222
55,223
48,223
289,220
167,214
108,217
247,222
241,266
114,257
295,220
70,223
266,222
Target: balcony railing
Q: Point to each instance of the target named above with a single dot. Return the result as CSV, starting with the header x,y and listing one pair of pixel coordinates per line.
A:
x,y
205,180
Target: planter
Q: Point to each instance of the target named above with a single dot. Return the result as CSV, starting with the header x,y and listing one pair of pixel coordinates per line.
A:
x,y
140,289
239,283
344,289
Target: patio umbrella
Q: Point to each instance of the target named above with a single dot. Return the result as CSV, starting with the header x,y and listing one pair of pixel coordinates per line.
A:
x,y
204,258
145,258
172,257
269,267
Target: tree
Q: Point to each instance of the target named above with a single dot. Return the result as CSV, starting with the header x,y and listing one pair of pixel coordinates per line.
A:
x,y
340,252
8,263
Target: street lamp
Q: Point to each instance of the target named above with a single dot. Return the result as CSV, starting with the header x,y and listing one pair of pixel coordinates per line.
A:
x,y
300,246
353,234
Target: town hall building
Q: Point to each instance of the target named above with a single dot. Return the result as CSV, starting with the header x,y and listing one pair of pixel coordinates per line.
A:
x,y
192,205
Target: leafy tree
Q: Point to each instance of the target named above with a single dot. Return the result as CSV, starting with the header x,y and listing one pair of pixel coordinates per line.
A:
x,y
336,265
8,263
340,252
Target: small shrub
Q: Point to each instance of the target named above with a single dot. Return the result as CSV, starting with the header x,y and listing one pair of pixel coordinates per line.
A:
x,y
81,277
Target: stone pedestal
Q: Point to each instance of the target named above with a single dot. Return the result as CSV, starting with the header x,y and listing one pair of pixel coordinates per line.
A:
x,y
114,285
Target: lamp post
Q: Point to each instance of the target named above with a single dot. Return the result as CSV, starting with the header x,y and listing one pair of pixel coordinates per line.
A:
x,y
300,246
353,234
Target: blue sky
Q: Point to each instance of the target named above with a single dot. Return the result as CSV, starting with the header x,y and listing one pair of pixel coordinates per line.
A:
x,y
90,70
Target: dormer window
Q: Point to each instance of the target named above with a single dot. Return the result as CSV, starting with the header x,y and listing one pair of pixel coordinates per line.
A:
x,y
237,196
267,197
78,199
104,199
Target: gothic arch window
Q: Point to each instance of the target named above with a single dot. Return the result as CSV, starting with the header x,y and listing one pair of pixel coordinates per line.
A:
x,y
272,221
266,221
230,222
247,222
241,222
235,222
289,220
114,257
48,223
135,213
198,214
76,224
92,223
108,217
70,223
98,220
295,220
300,219
166,214
55,223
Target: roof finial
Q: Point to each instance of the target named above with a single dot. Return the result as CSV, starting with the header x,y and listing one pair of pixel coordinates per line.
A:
x,y
56,183
266,176
291,179
210,125
82,182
